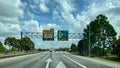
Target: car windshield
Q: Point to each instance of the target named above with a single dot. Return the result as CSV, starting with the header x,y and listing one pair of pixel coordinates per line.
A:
x,y
59,34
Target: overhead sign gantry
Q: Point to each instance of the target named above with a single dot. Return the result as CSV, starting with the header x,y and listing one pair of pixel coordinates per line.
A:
x,y
49,35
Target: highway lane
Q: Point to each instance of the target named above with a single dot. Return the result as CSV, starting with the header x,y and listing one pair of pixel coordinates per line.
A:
x,y
49,60
88,64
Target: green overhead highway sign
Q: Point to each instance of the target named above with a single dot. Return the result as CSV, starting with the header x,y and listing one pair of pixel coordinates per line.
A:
x,y
62,35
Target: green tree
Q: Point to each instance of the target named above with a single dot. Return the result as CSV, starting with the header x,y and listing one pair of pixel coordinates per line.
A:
x,y
19,44
101,35
10,41
2,48
13,43
73,48
62,49
116,47
82,47
27,44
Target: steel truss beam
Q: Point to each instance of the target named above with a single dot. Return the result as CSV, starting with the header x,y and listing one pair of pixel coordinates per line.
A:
x,y
39,35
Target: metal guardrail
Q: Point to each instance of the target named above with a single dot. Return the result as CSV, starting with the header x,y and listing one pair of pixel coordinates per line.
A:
x,y
10,55
14,55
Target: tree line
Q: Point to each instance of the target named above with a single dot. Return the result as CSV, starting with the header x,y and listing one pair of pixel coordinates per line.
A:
x,y
100,37
2,48
23,44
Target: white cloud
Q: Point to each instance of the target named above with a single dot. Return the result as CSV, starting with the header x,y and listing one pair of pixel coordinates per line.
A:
x,y
31,15
31,26
9,30
64,13
35,26
10,11
57,16
65,9
109,8
49,25
9,20
44,8
43,5
78,22
66,5
10,8
33,6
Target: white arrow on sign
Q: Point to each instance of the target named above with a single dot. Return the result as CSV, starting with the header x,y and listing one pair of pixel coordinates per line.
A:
x,y
48,62
60,65
60,34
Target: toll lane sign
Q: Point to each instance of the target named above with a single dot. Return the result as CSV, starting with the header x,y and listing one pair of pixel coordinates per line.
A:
x,y
48,35
62,35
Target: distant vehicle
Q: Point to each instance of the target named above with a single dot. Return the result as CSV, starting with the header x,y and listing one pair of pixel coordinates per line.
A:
x,y
52,50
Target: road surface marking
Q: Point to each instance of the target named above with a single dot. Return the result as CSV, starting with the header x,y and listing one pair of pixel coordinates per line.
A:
x,y
75,62
48,62
60,65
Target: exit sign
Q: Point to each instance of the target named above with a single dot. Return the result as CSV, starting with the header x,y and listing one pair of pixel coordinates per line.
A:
x,y
62,35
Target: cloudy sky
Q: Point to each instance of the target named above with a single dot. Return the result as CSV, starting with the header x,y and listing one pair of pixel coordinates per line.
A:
x,y
37,15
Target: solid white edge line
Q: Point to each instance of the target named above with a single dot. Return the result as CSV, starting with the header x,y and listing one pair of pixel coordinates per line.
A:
x,y
75,61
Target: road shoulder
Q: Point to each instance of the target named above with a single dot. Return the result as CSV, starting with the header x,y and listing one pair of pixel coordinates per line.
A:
x,y
114,65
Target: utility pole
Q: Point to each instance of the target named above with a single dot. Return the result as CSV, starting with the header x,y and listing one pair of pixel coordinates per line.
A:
x,y
89,41
21,41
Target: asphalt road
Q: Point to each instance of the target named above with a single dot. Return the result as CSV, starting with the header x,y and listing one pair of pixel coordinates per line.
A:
x,y
49,60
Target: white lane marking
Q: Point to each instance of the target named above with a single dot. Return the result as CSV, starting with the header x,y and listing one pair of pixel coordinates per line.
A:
x,y
48,62
75,62
60,65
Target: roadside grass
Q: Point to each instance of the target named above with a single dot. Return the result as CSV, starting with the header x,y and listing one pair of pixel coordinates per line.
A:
x,y
75,53
112,59
108,59
16,53
11,52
